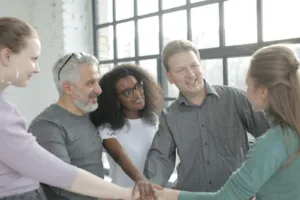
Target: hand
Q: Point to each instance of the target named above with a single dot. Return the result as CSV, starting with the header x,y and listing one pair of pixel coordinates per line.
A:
x,y
158,187
146,190
252,198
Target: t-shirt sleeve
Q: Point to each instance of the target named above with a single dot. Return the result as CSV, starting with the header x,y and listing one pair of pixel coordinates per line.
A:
x,y
20,151
106,132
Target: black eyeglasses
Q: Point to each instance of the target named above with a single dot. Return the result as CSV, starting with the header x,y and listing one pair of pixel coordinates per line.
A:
x,y
77,55
130,91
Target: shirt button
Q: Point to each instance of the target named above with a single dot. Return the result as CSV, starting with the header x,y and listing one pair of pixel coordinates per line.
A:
x,y
208,162
202,125
205,143
210,182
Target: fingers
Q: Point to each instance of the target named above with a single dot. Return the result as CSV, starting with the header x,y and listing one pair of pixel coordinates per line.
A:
x,y
158,187
152,191
146,190
141,190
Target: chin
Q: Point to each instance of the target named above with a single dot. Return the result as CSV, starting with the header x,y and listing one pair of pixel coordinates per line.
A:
x,y
21,85
138,108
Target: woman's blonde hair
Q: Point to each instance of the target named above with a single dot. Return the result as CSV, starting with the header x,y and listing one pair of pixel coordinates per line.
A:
x,y
14,32
276,68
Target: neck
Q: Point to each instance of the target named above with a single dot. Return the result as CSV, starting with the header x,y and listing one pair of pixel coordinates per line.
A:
x,y
196,98
131,114
67,103
3,86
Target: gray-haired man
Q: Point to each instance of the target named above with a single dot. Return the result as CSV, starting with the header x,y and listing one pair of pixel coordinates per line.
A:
x,y
64,127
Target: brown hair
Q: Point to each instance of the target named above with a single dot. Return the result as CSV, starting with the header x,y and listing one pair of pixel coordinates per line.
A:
x,y
14,32
276,68
177,46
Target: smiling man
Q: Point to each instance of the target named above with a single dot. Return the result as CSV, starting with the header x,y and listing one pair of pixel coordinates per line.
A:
x,y
207,125
64,128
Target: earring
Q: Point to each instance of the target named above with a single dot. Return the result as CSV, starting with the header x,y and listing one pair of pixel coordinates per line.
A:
x,y
17,73
2,79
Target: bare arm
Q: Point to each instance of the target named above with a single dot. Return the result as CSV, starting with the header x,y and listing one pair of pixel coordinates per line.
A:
x,y
118,153
90,185
20,151
167,194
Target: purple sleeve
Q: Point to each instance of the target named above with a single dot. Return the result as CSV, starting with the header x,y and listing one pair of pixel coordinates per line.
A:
x,y
20,151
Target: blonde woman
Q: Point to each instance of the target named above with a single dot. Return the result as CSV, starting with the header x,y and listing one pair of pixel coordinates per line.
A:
x,y
23,163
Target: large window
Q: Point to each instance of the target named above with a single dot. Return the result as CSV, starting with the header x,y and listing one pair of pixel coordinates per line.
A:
x,y
226,32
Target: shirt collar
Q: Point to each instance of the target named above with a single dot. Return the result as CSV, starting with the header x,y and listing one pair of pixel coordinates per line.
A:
x,y
209,90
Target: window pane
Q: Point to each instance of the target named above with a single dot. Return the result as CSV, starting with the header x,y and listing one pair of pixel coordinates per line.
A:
x,y
124,9
237,71
296,49
148,36
240,22
278,19
104,11
147,6
129,62
205,33
172,3
194,1
168,103
125,39
213,71
172,91
174,26
151,66
104,68
105,43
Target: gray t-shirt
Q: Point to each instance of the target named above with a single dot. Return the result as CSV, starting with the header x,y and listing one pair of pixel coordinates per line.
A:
x,y
72,138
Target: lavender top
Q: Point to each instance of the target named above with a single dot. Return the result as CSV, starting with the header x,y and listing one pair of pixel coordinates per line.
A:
x,y
23,162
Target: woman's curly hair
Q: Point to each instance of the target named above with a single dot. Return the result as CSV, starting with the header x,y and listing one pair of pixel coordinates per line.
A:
x,y
108,111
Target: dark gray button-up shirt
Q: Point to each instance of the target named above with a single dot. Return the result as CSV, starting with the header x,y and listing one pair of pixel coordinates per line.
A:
x,y
210,139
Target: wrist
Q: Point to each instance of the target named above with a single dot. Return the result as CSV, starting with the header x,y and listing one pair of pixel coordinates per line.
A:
x,y
141,178
125,194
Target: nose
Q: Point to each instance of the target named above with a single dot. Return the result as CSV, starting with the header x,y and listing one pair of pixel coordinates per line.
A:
x,y
137,94
36,69
97,89
190,73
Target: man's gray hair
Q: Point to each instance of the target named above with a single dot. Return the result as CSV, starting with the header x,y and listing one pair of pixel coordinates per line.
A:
x,y
69,72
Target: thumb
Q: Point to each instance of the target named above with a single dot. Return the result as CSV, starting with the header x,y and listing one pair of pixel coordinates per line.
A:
x,y
158,187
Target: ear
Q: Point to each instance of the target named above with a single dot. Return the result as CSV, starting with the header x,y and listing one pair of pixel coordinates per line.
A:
x,y
118,104
5,55
67,87
264,93
169,77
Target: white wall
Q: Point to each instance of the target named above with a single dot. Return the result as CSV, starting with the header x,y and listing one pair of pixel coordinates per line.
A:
x,y
64,26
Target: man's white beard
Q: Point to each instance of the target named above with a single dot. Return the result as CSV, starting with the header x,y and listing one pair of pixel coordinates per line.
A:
x,y
86,108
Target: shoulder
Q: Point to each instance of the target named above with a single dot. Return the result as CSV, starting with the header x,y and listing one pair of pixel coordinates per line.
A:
x,y
227,91
48,121
49,114
278,140
106,132
9,115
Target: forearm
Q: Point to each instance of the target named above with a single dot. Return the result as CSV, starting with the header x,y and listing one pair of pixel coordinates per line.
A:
x,y
131,170
90,185
167,194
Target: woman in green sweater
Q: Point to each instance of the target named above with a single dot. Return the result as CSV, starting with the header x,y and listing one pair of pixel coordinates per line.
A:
x,y
271,169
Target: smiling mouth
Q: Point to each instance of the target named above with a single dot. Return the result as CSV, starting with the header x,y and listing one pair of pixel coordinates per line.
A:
x,y
191,82
139,101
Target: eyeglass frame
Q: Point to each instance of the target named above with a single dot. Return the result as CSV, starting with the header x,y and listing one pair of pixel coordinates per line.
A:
x,y
141,83
77,55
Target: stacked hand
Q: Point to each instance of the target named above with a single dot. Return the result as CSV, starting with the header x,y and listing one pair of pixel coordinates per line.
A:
x,y
144,190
